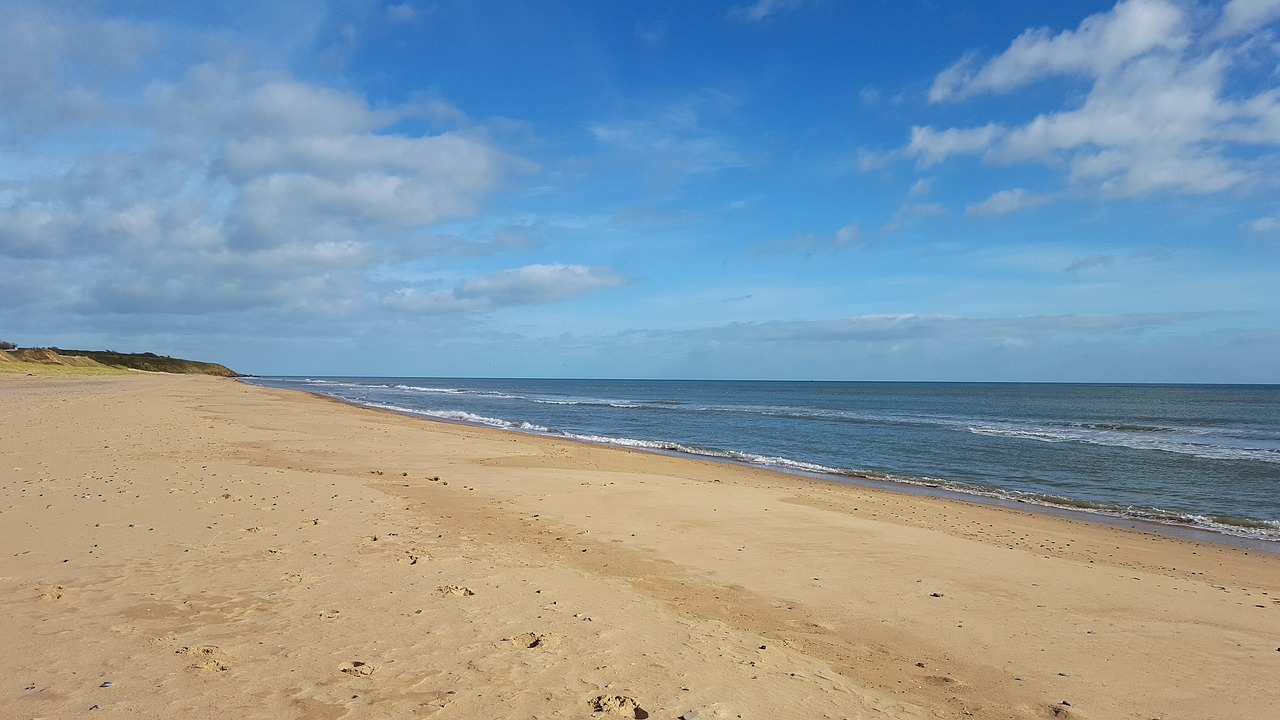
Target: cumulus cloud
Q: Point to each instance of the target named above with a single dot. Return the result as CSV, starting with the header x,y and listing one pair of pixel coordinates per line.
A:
x,y
1243,16
221,188
1173,105
1101,44
930,146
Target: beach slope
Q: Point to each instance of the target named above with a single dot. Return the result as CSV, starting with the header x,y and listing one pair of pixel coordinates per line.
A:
x,y
184,546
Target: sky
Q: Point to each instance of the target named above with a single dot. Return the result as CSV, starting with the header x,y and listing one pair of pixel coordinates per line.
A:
x,y
990,190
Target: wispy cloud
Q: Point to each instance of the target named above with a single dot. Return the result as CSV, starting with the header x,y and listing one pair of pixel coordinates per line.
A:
x,y
676,140
761,10
905,327
911,214
808,244
538,284
1091,262
1008,201
1264,225
402,12
921,187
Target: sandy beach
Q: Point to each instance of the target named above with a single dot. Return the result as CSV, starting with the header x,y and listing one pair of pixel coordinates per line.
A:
x,y
193,547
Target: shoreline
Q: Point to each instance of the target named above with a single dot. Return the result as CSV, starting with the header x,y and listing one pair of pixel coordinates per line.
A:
x,y
215,549
1219,533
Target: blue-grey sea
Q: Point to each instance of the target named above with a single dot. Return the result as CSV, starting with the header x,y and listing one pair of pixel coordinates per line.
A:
x,y
1205,456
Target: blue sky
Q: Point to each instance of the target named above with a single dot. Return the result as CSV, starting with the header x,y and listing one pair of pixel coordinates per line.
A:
x,y
793,189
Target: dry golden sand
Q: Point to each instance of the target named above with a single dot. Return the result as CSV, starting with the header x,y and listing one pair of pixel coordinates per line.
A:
x,y
215,550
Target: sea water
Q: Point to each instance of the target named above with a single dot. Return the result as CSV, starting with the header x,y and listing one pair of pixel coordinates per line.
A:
x,y
1205,456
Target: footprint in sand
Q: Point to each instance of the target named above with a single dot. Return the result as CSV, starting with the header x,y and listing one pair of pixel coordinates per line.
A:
x,y
618,705
411,557
312,521
253,529
293,578
454,590
329,615
207,658
533,640
358,668
53,593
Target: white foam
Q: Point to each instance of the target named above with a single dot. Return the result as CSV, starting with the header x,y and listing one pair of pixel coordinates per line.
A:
x,y
1140,440
460,416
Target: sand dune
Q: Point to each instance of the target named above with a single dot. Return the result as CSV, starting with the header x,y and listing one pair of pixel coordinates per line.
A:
x,y
194,547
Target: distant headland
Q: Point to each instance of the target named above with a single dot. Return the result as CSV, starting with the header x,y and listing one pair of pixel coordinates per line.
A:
x,y
105,360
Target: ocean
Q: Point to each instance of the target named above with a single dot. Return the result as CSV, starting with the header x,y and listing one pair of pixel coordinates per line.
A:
x,y
1184,456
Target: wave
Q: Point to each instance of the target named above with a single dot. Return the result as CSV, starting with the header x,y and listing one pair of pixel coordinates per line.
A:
x,y
624,404
667,446
1172,441
1227,525
491,407
460,416
620,404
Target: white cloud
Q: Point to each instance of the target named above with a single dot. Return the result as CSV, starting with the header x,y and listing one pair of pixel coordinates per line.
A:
x,y
1244,16
529,285
536,284
218,187
807,244
911,327
651,31
1090,262
1169,108
911,214
1007,201
1264,225
46,59
921,187
675,140
1101,43
403,12
932,146
762,9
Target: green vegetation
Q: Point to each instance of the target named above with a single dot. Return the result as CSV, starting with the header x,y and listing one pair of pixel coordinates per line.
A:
x,y
107,361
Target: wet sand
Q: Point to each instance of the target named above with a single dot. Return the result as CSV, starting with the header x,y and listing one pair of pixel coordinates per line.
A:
x,y
212,549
